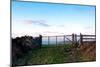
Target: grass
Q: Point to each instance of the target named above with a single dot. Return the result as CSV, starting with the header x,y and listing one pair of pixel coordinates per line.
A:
x,y
52,54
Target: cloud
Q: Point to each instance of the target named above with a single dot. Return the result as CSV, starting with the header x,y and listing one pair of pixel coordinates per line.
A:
x,y
61,25
50,32
89,27
37,22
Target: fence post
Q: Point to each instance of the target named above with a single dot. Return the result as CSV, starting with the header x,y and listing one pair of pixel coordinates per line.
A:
x,y
64,39
56,40
81,39
40,40
73,38
48,40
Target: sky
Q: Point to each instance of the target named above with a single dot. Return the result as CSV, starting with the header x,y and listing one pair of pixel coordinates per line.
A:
x,y
34,18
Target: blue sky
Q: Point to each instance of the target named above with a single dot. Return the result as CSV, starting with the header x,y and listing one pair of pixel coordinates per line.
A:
x,y
31,18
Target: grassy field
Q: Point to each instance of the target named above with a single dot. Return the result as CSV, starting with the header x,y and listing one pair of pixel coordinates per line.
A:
x,y
53,55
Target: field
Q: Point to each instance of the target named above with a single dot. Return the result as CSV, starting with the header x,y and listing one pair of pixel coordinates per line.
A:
x,y
55,54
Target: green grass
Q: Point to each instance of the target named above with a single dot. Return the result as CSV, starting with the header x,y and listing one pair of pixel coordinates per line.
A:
x,y
51,55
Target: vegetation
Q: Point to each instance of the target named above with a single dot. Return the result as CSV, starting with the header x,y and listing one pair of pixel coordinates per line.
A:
x,y
54,54
22,46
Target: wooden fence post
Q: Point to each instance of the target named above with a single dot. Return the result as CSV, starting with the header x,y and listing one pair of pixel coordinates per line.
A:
x,y
40,40
64,39
48,40
81,39
75,38
72,38
56,40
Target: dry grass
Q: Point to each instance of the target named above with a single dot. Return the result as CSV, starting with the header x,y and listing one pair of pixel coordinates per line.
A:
x,y
88,51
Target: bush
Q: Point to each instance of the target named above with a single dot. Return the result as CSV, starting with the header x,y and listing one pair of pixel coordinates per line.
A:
x,y
22,45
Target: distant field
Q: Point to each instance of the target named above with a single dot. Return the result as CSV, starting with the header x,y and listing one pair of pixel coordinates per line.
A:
x,y
52,54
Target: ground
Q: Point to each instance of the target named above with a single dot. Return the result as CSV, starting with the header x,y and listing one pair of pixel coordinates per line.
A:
x,y
55,54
